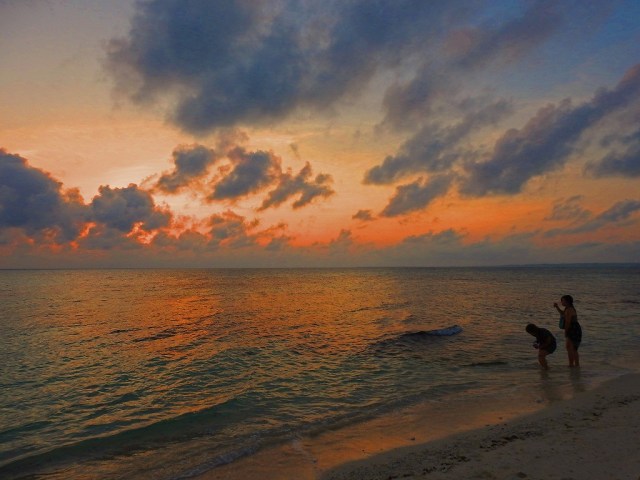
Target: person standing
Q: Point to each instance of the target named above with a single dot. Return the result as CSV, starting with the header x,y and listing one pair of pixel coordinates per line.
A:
x,y
572,329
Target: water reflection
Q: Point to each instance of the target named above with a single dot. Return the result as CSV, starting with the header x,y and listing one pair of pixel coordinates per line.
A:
x,y
577,382
550,391
561,383
229,360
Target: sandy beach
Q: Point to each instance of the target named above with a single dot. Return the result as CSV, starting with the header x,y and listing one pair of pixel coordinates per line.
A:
x,y
593,436
570,433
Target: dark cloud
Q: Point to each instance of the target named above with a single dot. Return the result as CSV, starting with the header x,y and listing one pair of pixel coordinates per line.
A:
x,y
617,215
232,230
225,230
435,147
448,248
290,186
546,141
250,172
343,240
363,215
103,237
238,61
475,46
191,162
244,173
407,104
172,42
569,209
187,241
123,208
446,237
468,48
278,244
30,199
416,195
624,163
620,211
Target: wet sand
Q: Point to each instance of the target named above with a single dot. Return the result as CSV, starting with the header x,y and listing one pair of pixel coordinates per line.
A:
x,y
594,435
490,436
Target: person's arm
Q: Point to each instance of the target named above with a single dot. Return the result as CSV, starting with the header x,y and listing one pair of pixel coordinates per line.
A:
x,y
560,311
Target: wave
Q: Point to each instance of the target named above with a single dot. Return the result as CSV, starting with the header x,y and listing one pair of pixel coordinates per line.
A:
x,y
157,434
413,340
124,330
385,306
440,332
489,363
188,435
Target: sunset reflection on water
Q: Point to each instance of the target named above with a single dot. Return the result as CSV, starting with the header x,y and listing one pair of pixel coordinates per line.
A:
x,y
209,366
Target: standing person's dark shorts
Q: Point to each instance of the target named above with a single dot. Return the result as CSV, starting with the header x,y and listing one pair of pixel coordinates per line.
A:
x,y
575,334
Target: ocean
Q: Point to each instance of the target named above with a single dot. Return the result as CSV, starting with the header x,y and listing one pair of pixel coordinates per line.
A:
x,y
171,374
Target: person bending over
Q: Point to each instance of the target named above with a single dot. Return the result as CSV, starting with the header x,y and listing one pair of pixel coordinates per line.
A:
x,y
545,343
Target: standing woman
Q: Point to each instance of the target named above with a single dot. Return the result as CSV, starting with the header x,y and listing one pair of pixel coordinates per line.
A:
x,y
572,329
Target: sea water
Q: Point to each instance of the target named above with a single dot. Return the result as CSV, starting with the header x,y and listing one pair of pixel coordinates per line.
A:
x,y
172,373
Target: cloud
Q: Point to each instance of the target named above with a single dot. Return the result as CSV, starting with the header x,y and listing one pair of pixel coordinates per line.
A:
x,y
617,215
408,104
124,227
416,195
103,237
290,185
242,173
191,162
344,240
35,203
225,232
278,244
620,211
546,141
231,230
569,209
500,40
435,147
227,63
250,172
30,199
451,248
363,215
186,241
123,208
475,46
625,163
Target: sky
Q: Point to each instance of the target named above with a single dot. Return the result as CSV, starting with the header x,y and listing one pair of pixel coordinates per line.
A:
x,y
280,133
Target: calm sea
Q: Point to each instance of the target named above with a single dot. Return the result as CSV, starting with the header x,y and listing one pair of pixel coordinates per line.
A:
x,y
171,373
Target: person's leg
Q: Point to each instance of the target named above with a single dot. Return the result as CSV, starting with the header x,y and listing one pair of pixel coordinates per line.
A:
x,y
576,339
542,359
574,358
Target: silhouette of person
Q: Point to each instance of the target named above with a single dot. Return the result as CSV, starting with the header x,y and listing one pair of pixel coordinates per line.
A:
x,y
545,343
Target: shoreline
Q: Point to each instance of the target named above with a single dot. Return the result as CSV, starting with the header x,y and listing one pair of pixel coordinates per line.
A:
x,y
594,435
361,450
559,431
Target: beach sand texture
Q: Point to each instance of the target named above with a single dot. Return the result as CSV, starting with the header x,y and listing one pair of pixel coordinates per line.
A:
x,y
593,436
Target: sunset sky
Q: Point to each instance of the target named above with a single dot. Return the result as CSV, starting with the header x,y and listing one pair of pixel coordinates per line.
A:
x,y
274,133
